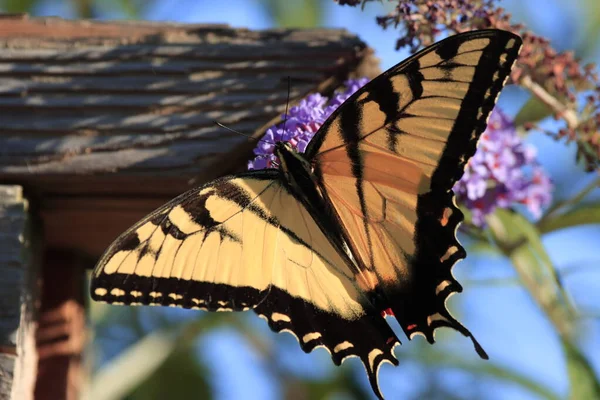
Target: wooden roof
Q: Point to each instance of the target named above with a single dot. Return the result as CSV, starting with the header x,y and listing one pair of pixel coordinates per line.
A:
x,y
101,122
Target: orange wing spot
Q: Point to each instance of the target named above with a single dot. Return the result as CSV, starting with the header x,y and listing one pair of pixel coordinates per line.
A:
x,y
446,216
390,340
387,313
411,327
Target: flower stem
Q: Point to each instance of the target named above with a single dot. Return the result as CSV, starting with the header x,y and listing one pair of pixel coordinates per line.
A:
x,y
569,115
560,205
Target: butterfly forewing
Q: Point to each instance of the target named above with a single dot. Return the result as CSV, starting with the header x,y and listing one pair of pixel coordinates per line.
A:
x,y
387,160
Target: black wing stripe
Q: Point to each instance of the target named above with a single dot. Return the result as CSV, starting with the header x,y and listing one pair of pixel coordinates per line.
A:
x,y
383,93
415,77
350,120
477,105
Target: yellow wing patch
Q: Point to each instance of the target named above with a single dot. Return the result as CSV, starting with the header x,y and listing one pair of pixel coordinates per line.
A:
x,y
241,233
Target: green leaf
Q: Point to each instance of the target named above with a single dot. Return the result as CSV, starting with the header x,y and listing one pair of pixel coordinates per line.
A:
x,y
584,215
130,8
18,6
486,368
139,364
584,383
97,311
483,247
122,375
176,378
295,14
84,8
513,231
532,111
520,241
588,27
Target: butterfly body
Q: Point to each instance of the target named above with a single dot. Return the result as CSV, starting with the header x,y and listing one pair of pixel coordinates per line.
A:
x,y
297,174
361,224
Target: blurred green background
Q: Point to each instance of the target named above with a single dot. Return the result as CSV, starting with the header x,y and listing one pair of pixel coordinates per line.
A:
x,y
154,353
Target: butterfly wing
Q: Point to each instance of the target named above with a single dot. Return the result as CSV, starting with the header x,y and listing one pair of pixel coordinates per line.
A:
x,y
245,242
387,160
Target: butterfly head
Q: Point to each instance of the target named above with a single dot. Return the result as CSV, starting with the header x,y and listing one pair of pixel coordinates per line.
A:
x,y
291,163
283,146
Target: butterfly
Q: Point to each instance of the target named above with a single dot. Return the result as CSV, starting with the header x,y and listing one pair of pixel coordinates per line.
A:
x,y
360,226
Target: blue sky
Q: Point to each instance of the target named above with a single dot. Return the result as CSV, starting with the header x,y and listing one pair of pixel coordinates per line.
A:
x,y
504,319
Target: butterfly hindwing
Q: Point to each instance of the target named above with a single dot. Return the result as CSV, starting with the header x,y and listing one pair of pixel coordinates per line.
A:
x,y
367,336
245,242
387,160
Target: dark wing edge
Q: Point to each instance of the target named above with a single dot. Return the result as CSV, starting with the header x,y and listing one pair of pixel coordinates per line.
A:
x,y
368,338
438,215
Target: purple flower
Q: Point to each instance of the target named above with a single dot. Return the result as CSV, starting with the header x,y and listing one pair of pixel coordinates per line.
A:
x,y
301,124
502,173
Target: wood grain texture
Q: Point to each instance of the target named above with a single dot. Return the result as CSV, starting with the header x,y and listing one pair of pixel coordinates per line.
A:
x,y
18,295
103,121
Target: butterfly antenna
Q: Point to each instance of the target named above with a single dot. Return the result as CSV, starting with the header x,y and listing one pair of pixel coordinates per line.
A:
x,y
242,133
287,102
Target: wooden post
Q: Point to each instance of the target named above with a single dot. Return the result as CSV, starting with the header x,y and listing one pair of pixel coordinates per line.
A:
x,y
19,259
61,330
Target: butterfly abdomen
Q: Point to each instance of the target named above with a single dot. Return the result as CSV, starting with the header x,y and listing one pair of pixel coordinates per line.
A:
x,y
302,182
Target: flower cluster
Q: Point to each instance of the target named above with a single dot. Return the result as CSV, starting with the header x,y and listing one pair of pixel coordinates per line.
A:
x,y
301,124
502,172
555,78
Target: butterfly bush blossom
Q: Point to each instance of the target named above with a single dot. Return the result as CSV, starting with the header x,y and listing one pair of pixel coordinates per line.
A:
x,y
503,171
301,124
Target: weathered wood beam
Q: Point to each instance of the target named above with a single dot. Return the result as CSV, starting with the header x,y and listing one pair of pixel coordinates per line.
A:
x,y
19,265
103,121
